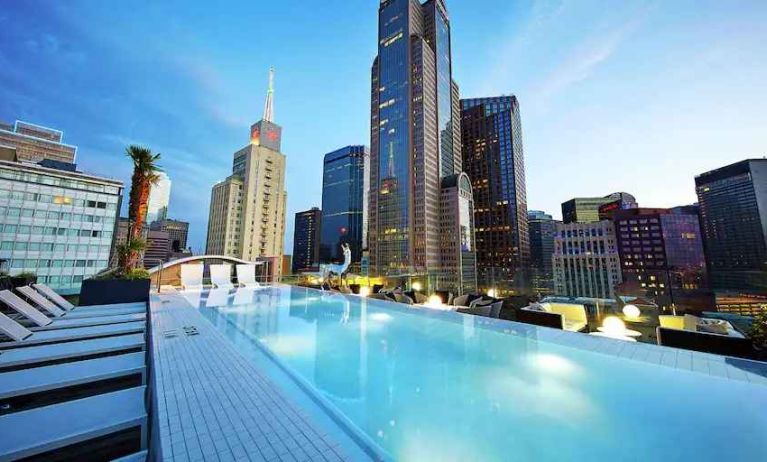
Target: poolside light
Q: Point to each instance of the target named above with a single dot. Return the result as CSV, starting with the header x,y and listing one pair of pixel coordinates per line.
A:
x,y
364,291
613,325
434,301
416,286
492,293
631,312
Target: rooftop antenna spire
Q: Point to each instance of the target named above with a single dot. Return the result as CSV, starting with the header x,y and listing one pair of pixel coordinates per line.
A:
x,y
269,104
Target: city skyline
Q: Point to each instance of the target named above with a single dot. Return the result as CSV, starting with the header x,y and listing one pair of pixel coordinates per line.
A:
x,y
622,88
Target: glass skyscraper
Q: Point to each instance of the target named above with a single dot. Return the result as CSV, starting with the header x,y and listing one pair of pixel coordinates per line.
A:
x,y
159,198
542,228
344,203
306,240
733,211
493,157
415,137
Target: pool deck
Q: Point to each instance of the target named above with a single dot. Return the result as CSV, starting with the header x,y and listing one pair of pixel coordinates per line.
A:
x,y
214,404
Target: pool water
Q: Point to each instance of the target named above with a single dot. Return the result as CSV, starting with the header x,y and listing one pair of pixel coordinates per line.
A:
x,y
437,386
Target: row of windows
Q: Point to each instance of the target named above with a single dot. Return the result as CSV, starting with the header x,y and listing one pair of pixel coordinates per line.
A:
x,y
53,215
47,263
52,247
593,232
54,231
57,181
58,200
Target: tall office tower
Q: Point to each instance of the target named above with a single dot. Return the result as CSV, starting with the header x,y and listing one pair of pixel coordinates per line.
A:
x,y
586,261
247,210
415,137
661,253
56,222
178,233
542,229
586,209
344,203
457,246
159,198
156,250
34,143
494,159
733,211
306,240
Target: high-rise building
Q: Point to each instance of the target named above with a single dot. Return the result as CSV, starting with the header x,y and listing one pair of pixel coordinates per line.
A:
x,y
178,233
56,222
34,143
587,209
733,212
156,249
344,203
493,157
159,198
458,248
586,261
415,137
247,210
306,240
542,229
661,253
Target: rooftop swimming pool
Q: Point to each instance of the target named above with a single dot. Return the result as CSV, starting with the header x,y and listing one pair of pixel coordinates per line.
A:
x,y
422,384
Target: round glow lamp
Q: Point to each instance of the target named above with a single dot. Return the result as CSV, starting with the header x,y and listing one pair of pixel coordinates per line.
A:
x,y
435,301
364,291
631,312
492,293
416,286
613,325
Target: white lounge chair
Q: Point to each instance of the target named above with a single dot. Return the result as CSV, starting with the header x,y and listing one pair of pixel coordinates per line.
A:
x,y
21,336
217,297
221,276
42,379
43,322
191,276
37,431
246,276
64,304
244,295
84,311
70,351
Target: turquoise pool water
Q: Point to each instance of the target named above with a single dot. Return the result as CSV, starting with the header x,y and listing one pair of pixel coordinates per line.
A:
x,y
438,386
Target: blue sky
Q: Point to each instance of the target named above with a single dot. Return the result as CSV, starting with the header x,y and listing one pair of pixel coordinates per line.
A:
x,y
631,96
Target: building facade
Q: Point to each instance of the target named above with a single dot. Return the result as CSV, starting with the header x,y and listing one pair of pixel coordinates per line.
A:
x,y
586,209
542,230
33,143
733,212
56,223
586,261
661,253
493,157
159,198
247,211
458,248
178,233
344,203
415,137
156,251
306,240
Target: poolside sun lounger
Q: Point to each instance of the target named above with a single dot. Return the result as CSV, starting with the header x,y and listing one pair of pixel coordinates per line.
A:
x,y
45,378
43,322
217,297
24,337
61,302
28,356
246,275
38,431
244,295
90,311
221,276
191,276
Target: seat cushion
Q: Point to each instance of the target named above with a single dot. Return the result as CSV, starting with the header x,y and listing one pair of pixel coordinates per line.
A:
x,y
574,326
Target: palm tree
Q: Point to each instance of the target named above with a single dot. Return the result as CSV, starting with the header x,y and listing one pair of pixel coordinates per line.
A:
x,y
145,175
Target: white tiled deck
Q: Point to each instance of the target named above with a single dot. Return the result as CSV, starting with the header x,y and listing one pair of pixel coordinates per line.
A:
x,y
216,405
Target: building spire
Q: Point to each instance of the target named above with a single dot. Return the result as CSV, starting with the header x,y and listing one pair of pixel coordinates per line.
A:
x,y
269,104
